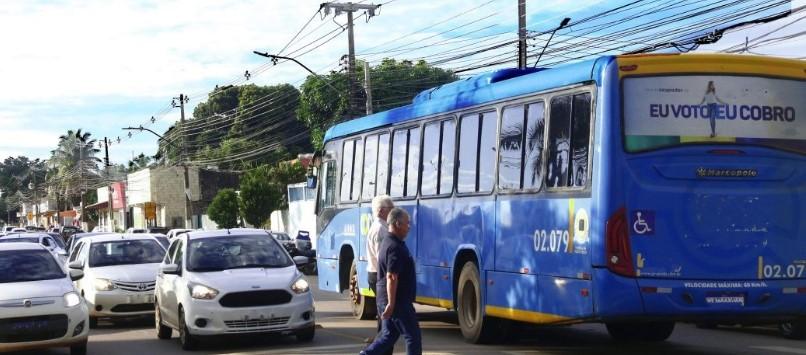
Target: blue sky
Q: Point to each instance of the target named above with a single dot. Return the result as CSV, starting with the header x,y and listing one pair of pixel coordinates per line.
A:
x,y
101,65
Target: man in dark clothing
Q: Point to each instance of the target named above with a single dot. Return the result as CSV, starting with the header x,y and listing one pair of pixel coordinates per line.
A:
x,y
397,288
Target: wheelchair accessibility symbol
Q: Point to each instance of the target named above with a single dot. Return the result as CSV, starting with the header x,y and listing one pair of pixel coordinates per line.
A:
x,y
643,222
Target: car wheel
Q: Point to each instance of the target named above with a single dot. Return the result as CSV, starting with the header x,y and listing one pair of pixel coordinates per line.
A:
x,y
363,307
793,330
79,349
477,328
187,340
163,332
93,322
306,335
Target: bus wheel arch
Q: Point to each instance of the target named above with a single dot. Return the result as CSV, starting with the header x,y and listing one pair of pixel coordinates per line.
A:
x,y
476,326
346,258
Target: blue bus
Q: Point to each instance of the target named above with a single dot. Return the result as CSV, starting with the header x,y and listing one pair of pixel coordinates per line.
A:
x,y
637,191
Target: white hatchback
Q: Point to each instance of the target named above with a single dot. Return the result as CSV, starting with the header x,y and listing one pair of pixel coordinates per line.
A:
x,y
119,274
39,307
230,282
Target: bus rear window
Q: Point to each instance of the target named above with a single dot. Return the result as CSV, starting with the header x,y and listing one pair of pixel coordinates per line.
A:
x,y
668,111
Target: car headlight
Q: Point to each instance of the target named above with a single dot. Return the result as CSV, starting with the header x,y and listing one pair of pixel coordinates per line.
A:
x,y
300,286
71,299
201,292
104,285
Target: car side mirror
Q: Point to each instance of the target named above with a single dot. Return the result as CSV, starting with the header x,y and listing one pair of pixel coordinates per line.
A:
x,y
76,275
301,260
170,269
76,265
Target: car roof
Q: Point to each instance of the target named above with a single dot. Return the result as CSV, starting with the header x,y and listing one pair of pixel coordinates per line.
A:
x,y
224,232
21,246
116,236
26,235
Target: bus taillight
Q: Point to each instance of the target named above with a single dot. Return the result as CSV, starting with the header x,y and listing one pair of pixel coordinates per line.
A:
x,y
617,244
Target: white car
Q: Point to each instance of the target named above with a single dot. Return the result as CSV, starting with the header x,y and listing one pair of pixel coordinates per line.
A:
x,y
173,233
18,230
119,274
7,229
54,245
231,282
133,230
39,307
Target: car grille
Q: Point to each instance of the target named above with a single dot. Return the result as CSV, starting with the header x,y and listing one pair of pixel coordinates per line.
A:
x,y
135,286
23,329
138,307
255,298
255,323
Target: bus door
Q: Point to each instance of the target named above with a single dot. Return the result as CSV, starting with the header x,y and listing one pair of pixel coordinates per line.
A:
x,y
714,184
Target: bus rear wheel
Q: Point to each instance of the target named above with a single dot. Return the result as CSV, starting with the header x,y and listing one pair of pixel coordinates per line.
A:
x,y
651,331
477,328
793,330
363,307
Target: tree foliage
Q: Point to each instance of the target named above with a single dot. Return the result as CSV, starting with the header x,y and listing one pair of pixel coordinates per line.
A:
x,y
16,176
324,99
264,188
224,209
75,165
141,161
235,122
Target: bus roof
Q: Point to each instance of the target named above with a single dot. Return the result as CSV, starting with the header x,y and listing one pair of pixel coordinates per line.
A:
x,y
476,90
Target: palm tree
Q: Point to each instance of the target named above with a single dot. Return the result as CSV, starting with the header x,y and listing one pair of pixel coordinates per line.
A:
x,y
75,166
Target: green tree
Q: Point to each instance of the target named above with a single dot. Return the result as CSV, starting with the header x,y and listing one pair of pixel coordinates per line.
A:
x,y
224,209
324,101
258,196
141,161
75,165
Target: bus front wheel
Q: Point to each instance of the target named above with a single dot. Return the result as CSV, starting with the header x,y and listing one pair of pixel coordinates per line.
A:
x,y
793,330
653,331
477,328
363,307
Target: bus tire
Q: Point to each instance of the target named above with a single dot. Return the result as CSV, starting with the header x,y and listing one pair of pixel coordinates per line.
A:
x,y
477,328
363,307
650,331
795,329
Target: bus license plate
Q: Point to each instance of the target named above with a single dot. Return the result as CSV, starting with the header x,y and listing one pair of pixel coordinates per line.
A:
x,y
725,298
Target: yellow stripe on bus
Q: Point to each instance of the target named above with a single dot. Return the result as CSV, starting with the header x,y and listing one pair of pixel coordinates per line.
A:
x,y
569,247
526,316
692,139
711,64
438,302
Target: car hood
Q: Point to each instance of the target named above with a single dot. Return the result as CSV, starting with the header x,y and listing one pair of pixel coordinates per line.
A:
x,y
127,273
247,279
35,289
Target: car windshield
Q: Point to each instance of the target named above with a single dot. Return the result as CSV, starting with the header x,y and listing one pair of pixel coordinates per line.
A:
x,y
20,240
59,241
163,240
233,252
123,252
28,265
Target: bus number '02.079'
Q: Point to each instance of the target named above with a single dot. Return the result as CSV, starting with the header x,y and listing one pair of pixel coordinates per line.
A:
x,y
554,241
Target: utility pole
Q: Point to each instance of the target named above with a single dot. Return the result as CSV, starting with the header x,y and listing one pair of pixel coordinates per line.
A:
x,y
368,88
349,8
521,34
109,183
188,207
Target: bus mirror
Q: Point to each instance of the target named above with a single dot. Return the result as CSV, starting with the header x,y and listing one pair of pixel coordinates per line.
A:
x,y
311,180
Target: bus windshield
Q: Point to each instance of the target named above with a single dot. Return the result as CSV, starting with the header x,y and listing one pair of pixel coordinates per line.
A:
x,y
668,111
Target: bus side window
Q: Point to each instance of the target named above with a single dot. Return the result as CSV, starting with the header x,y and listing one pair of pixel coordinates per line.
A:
x,y
431,148
569,132
347,169
487,151
328,184
358,167
533,146
399,143
370,167
511,148
580,139
468,148
447,156
383,164
413,162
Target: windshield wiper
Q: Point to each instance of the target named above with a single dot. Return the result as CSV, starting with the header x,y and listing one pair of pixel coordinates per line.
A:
x,y
263,266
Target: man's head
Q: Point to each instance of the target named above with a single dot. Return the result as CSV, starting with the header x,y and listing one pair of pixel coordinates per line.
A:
x,y
398,221
381,205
